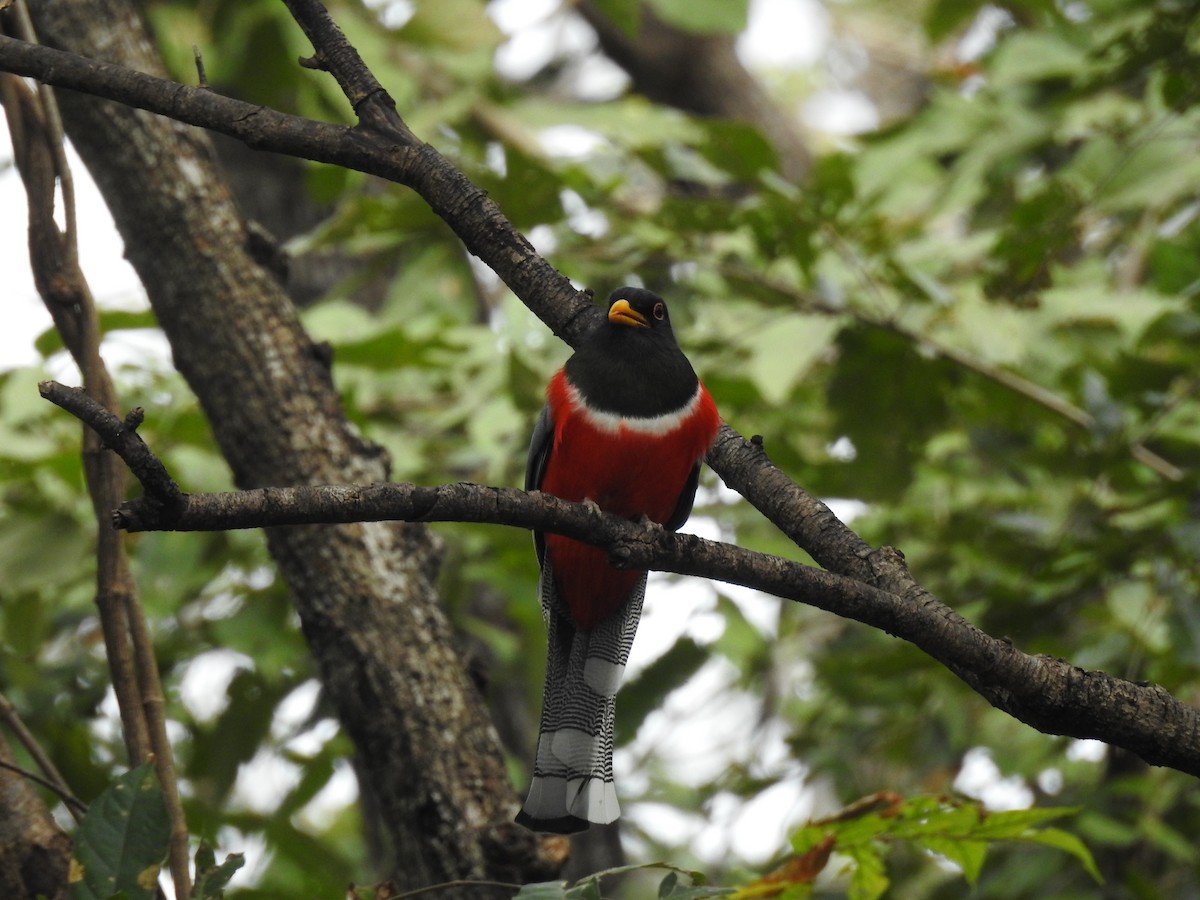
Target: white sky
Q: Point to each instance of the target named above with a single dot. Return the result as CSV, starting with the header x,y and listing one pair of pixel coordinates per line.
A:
x,y
101,253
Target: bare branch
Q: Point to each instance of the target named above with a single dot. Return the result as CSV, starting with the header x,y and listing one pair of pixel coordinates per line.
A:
x,y
1049,694
120,438
371,103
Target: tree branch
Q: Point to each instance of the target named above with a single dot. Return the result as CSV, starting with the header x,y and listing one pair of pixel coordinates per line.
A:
x,y
1047,693
380,145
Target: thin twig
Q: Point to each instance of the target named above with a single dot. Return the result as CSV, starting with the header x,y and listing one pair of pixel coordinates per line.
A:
x,y
371,103
201,75
36,167
49,104
76,807
451,885
53,777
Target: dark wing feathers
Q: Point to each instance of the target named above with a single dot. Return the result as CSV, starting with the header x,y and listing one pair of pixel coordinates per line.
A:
x,y
535,465
687,497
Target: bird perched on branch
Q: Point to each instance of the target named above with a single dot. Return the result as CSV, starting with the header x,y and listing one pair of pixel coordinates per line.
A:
x,y
626,424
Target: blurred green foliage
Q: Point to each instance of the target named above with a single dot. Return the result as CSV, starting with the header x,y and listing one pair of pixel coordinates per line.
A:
x,y
981,321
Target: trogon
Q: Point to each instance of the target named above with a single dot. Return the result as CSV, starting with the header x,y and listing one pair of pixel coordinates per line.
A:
x,y
625,426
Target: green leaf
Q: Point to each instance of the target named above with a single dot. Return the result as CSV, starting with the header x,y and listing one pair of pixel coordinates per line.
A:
x,y
588,889
644,694
944,17
877,374
868,880
632,123
785,350
699,892
32,549
454,24
1065,841
50,341
968,855
1016,823
219,750
1137,607
1036,56
122,839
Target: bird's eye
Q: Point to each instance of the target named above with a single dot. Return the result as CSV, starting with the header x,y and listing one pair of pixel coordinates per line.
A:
x,y
660,311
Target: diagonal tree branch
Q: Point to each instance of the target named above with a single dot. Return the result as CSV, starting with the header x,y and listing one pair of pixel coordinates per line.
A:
x,y
1049,694
381,146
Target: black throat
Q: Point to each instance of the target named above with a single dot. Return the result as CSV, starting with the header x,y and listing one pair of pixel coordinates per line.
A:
x,y
631,371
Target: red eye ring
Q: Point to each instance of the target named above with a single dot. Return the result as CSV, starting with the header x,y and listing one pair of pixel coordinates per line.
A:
x,y
659,311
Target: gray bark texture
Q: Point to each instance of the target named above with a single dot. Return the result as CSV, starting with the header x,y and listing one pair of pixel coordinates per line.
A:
x,y
364,592
34,851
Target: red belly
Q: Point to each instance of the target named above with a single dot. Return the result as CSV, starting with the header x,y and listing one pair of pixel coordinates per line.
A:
x,y
625,472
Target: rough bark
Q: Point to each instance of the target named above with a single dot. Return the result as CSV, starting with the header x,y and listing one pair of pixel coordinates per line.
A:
x,y
34,852
364,592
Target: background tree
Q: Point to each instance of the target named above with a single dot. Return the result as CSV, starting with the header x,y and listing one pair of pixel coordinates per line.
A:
x,y
978,322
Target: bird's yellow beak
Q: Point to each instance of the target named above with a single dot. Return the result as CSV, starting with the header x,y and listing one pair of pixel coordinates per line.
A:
x,y
624,314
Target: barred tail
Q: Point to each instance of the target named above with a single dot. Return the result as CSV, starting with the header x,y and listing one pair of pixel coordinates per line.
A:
x,y
572,783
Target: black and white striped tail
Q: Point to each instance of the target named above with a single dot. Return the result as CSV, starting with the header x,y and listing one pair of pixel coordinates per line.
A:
x,y
572,775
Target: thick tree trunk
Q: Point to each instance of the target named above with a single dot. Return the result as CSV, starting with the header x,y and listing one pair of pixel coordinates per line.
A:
x,y
364,592
34,851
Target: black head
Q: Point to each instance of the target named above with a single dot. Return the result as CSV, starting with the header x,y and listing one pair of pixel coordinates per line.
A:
x,y
639,308
631,364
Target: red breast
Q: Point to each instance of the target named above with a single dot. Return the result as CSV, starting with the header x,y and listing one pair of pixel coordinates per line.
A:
x,y
631,466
